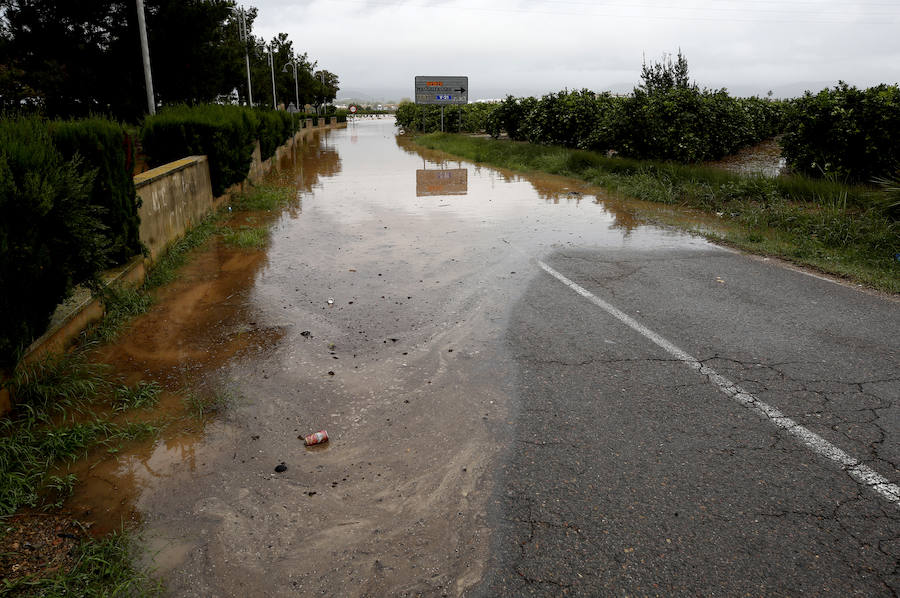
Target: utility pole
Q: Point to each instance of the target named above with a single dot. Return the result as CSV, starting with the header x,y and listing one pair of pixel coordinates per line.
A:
x,y
145,52
245,38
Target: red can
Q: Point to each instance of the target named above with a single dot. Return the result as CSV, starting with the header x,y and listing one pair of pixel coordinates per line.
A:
x,y
316,438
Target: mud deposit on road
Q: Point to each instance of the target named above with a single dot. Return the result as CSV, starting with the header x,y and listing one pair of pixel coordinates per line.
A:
x,y
376,314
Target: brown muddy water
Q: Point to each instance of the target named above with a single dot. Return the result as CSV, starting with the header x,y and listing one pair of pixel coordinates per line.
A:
x,y
377,313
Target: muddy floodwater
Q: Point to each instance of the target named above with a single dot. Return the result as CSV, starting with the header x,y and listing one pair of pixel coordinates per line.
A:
x,y
377,313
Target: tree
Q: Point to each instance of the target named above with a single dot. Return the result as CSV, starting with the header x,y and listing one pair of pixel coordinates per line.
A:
x,y
73,58
665,75
55,54
195,49
327,86
67,58
308,85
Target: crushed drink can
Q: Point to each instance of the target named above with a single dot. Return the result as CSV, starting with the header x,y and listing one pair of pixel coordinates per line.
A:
x,y
316,438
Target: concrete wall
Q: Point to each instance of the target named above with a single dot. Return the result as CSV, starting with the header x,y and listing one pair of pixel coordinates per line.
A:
x,y
174,197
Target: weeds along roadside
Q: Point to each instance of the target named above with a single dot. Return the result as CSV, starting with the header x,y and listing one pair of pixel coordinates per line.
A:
x,y
101,567
54,418
67,407
846,230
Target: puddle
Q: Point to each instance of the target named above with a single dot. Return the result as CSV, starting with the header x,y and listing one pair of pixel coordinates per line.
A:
x,y
406,369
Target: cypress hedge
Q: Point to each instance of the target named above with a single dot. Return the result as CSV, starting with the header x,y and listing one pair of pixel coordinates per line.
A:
x,y
101,143
226,134
51,235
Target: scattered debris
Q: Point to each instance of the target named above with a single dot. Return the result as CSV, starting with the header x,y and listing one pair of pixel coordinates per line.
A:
x,y
305,333
316,438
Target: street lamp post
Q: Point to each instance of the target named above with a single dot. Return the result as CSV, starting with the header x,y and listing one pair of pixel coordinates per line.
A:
x,y
272,68
244,33
293,63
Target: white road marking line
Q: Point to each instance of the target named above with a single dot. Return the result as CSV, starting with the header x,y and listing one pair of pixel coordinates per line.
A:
x,y
861,473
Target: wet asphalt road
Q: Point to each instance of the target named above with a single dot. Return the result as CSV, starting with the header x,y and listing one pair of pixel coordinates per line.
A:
x,y
633,475
494,433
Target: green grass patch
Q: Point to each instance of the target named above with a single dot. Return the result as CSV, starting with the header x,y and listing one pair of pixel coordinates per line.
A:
x,y
103,567
56,387
142,394
262,198
847,230
246,237
121,304
41,433
29,453
204,404
166,267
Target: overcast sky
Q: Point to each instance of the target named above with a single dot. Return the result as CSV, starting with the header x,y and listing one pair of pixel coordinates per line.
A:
x,y
537,46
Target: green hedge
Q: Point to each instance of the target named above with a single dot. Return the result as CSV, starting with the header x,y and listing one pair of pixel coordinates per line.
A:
x,y
102,145
684,124
51,236
474,117
275,126
845,132
225,134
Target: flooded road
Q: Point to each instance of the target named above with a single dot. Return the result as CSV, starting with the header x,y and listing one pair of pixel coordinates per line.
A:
x,y
387,310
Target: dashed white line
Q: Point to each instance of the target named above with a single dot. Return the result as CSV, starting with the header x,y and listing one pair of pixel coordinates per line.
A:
x,y
861,473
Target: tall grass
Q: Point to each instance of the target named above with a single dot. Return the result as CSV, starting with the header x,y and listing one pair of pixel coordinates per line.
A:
x,y
56,386
42,432
29,453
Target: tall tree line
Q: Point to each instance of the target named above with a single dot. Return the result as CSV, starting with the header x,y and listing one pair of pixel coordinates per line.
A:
x,y
73,58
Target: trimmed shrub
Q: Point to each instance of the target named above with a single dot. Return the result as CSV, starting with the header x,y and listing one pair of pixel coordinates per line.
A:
x,y
275,126
225,134
845,132
50,235
101,143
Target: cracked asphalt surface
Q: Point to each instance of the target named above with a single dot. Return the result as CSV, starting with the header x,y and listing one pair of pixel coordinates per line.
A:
x,y
632,475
